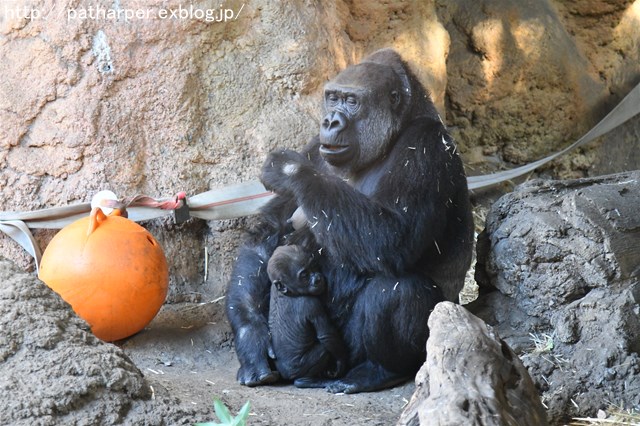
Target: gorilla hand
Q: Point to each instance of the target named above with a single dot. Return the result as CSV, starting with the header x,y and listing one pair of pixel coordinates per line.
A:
x,y
340,368
298,219
279,169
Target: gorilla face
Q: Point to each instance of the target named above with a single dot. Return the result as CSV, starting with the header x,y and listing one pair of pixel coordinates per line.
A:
x,y
363,107
304,283
291,269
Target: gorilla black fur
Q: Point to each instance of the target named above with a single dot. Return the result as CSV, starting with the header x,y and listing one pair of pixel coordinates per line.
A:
x,y
385,196
306,345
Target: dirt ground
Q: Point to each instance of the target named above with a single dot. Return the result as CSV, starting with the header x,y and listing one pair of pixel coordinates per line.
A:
x,y
186,353
53,371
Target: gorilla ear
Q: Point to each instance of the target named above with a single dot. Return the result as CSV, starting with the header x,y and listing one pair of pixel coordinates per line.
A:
x,y
281,287
395,98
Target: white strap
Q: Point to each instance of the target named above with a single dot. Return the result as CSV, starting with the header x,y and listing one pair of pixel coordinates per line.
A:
x,y
246,198
626,109
224,203
238,200
19,232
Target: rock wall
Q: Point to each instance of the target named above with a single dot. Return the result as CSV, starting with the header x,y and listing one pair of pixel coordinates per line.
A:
x,y
171,99
559,278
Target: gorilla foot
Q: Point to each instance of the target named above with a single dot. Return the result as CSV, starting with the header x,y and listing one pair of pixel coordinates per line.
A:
x,y
250,378
311,382
366,377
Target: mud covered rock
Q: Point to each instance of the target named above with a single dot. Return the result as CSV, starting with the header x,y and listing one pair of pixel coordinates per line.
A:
x,y
54,371
559,270
471,377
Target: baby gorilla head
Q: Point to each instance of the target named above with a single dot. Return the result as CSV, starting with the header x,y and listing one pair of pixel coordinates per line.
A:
x,y
293,272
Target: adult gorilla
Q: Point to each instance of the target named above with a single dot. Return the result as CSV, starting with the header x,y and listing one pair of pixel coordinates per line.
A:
x,y
385,196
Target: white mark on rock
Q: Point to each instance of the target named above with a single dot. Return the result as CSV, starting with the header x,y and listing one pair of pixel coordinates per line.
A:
x,y
102,52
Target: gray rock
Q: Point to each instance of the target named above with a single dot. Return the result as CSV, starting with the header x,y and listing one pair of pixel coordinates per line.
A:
x,y
559,270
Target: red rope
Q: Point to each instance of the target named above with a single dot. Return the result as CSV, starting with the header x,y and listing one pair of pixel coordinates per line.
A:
x,y
146,201
234,200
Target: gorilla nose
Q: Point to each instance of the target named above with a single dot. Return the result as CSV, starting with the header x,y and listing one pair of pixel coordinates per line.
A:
x,y
318,284
332,124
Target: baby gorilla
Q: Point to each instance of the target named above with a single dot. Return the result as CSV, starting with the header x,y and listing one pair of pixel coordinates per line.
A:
x,y
305,343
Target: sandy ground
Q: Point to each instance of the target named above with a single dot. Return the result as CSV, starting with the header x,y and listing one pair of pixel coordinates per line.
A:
x,y
186,353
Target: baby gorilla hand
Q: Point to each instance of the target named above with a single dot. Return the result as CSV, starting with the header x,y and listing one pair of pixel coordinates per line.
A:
x,y
280,168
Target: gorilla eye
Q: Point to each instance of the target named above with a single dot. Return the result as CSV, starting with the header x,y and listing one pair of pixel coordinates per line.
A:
x,y
332,98
303,275
352,101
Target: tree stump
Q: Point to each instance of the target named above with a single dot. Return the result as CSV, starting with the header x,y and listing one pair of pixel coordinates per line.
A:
x,y
471,377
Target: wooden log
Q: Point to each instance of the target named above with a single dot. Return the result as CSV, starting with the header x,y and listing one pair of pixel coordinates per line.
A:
x,y
470,377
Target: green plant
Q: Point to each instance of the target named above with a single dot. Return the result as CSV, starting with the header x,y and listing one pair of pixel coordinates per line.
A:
x,y
224,415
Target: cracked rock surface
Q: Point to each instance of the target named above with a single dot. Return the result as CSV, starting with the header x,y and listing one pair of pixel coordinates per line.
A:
x,y
471,377
559,270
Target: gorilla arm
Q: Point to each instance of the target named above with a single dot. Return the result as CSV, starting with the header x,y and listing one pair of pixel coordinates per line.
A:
x,y
404,216
330,338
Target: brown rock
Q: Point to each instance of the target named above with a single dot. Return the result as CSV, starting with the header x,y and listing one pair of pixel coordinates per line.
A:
x,y
519,83
54,371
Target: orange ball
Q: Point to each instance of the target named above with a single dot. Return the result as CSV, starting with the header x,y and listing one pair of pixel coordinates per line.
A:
x,y
110,270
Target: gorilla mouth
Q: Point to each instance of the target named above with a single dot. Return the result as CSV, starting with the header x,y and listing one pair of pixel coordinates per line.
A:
x,y
333,149
317,289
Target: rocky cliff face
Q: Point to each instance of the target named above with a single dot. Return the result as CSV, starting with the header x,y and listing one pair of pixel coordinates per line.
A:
x,y
558,271
138,97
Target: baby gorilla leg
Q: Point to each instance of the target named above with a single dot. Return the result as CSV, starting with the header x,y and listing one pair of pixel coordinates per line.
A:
x,y
390,322
312,365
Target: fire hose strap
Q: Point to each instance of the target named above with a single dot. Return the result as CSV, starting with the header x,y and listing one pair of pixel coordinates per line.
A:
x,y
19,232
628,108
247,198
